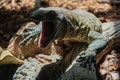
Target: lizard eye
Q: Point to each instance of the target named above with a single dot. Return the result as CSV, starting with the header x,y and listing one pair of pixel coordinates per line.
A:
x,y
52,13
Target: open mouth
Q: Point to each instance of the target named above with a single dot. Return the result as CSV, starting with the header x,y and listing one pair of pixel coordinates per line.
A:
x,y
48,32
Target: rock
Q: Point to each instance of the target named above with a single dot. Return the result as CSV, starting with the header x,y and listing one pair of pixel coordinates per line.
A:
x,y
7,58
79,73
29,70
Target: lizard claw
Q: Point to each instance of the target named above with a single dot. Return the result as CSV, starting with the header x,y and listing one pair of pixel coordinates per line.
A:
x,y
28,28
22,34
86,58
31,35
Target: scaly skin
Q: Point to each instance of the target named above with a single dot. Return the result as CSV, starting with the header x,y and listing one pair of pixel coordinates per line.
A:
x,y
31,34
75,25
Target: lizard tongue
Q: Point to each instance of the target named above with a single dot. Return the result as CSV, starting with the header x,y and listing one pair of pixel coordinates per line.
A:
x,y
44,37
40,40
41,37
47,33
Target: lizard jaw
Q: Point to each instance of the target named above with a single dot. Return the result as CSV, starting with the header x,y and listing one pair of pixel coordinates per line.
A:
x,y
47,34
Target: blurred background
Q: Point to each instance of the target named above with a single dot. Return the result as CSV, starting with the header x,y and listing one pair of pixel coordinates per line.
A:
x,y
14,13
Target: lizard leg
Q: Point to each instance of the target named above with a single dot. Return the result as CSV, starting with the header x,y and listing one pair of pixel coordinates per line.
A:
x,y
89,55
31,34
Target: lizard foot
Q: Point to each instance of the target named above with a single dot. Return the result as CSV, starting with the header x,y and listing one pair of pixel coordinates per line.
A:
x,y
86,59
31,34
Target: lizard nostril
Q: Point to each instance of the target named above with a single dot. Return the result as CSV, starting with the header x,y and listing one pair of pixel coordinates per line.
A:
x,y
57,60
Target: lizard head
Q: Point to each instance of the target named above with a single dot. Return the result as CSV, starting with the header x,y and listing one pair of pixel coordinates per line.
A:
x,y
53,24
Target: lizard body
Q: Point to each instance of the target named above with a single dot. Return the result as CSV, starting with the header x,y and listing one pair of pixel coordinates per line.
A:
x,y
76,25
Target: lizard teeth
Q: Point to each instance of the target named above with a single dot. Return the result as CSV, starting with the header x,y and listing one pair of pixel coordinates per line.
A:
x,y
56,42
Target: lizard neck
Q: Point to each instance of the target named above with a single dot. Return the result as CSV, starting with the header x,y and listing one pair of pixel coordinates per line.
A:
x,y
74,30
